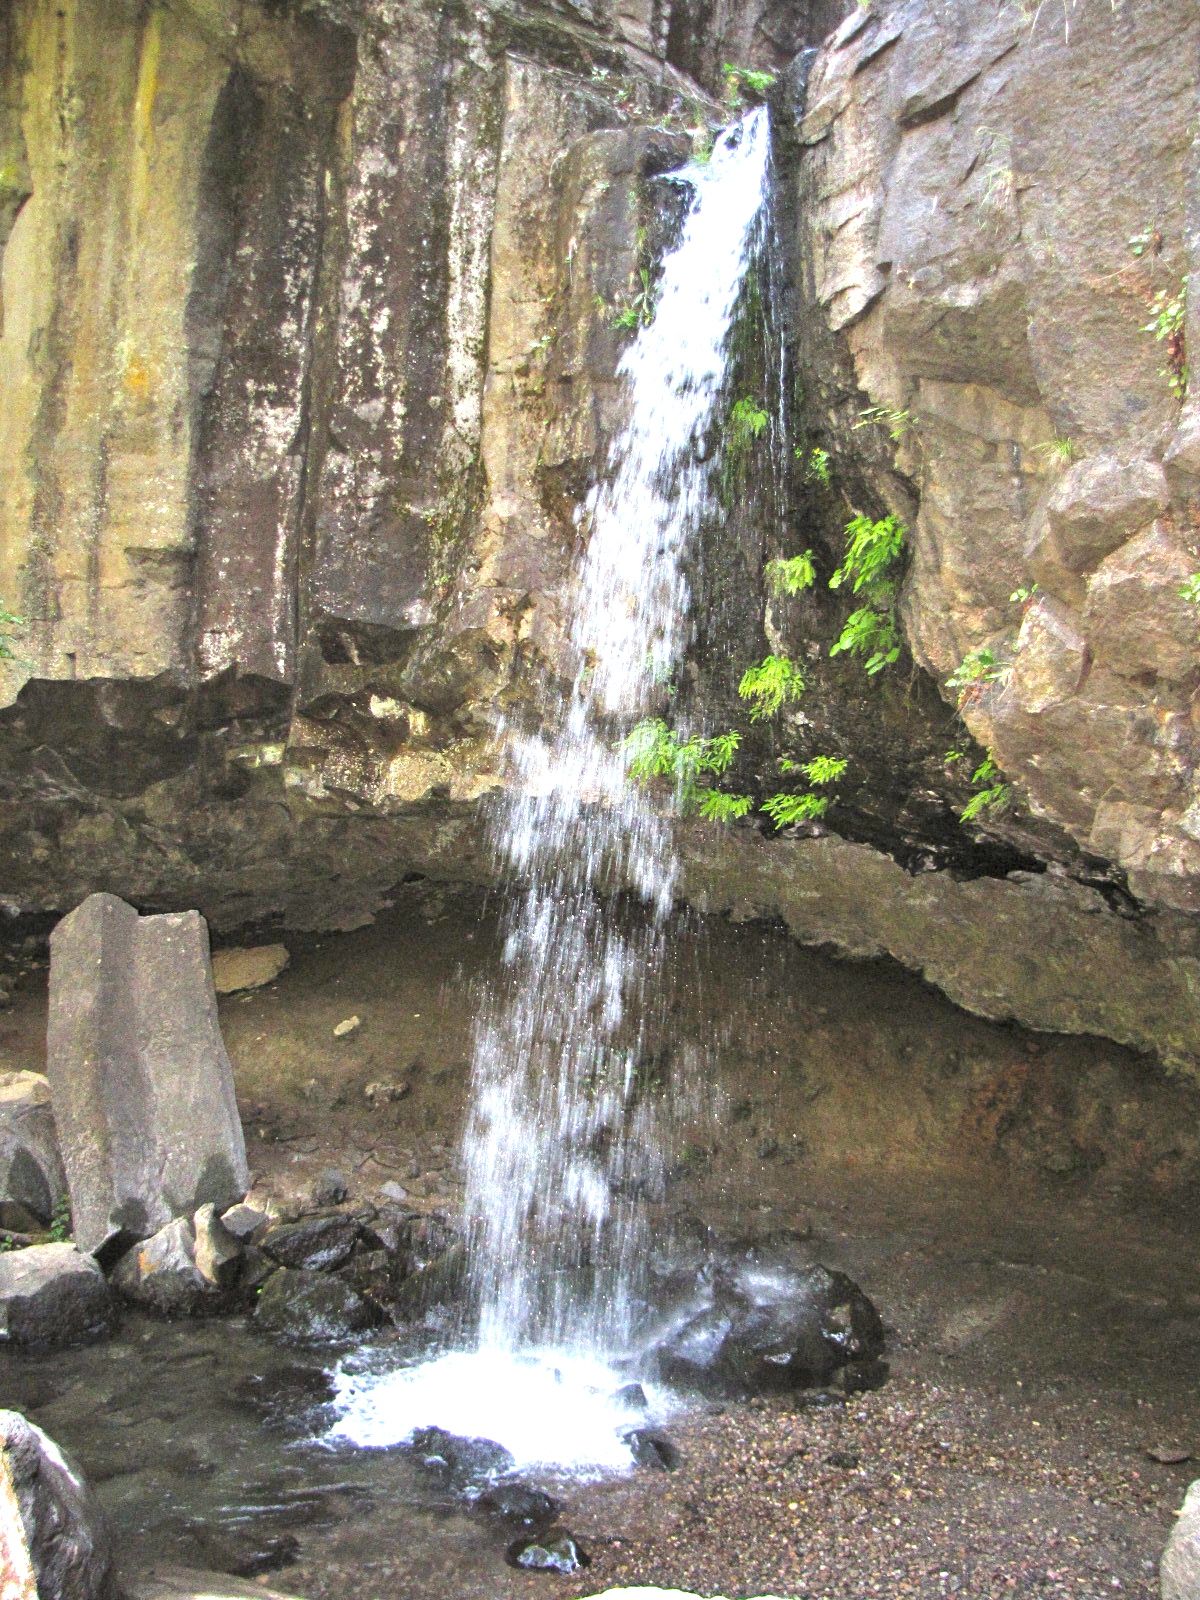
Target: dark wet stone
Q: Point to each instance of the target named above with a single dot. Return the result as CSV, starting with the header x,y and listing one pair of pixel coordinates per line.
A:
x,y
556,1550
759,1324
631,1398
330,1188
316,1244
518,1502
463,1463
652,1449
294,1393
311,1308
51,1294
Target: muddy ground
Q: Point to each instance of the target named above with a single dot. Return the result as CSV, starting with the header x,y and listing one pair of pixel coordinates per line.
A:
x,y
1022,1209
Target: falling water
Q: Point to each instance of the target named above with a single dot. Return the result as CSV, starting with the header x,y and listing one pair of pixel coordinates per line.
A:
x,y
563,1142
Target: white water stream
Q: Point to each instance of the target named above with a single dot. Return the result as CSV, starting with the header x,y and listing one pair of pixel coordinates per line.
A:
x,y
564,1138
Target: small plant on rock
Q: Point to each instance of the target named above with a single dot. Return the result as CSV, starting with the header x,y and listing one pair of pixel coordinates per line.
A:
x,y
745,81
1189,589
785,809
816,468
1168,318
870,632
1060,451
898,422
60,1220
9,624
771,685
639,311
993,794
790,575
977,667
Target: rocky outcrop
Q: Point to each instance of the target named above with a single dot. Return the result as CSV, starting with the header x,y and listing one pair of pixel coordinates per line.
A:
x,y
1179,1570
142,1086
987,286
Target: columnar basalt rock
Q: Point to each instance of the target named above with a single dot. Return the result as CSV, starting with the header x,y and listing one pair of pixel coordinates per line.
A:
x,y
142,1086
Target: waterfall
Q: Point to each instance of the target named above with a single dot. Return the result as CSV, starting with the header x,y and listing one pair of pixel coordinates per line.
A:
x,y
560,1142
563,1142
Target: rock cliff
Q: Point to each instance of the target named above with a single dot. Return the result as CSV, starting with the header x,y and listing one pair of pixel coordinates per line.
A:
x,y
308,356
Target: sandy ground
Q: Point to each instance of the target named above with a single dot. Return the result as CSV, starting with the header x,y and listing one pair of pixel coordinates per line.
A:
x,y
1022,1209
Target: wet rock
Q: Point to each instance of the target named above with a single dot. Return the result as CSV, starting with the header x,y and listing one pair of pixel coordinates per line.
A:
x,y
52,1294
291,1393
755,1327
316,1244
1179,1569
54,1544
245,1222
142,1087
32,1180
245,1552
556,1550
249,968
650,1448
373,1274
311,1308
518,1502
330,1189
218,1252
162,1274
463,1463
632,1397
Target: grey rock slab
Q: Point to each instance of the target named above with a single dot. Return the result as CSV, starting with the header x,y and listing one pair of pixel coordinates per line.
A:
x,y
54,1543
51,1294
1179,1569
142,1086
245,1222
316,1243
31,1170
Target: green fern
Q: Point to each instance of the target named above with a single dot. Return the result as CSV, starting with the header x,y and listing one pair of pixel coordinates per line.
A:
x,y
770,685
871,635
871,548
791,574
717,806
785,809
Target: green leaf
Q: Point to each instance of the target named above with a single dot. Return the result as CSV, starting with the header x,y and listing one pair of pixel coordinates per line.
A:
x,y
716,806
770,685
792,574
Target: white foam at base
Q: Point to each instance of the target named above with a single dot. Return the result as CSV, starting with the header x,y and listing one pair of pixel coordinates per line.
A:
x,y
550,1408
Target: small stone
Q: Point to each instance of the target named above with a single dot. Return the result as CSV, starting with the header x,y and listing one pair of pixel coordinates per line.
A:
x,y
395,1192
518,1502
248,968
386,1093
632,1397
330,1188
347,1026
1168,1455
556,1550
652,1449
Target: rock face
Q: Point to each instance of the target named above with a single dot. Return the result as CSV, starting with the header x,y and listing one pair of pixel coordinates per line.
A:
x,y
250,968
299,428
51,1294
32,1181
983,279
53,1541
142,1086
1179,1570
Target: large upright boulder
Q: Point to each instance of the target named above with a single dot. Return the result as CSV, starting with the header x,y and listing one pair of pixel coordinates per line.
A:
x,y
142,1087
54,1544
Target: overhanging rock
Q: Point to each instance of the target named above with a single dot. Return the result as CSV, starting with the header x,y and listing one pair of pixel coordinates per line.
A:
x,y
142,1087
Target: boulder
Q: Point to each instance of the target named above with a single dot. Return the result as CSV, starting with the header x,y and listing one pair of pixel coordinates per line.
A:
x,y
54,1544
251,968
464,1463
51,1294
1096,506
311,1308
161,1273
32,1181
1179,1569
755,1326
142,1087
317,1244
